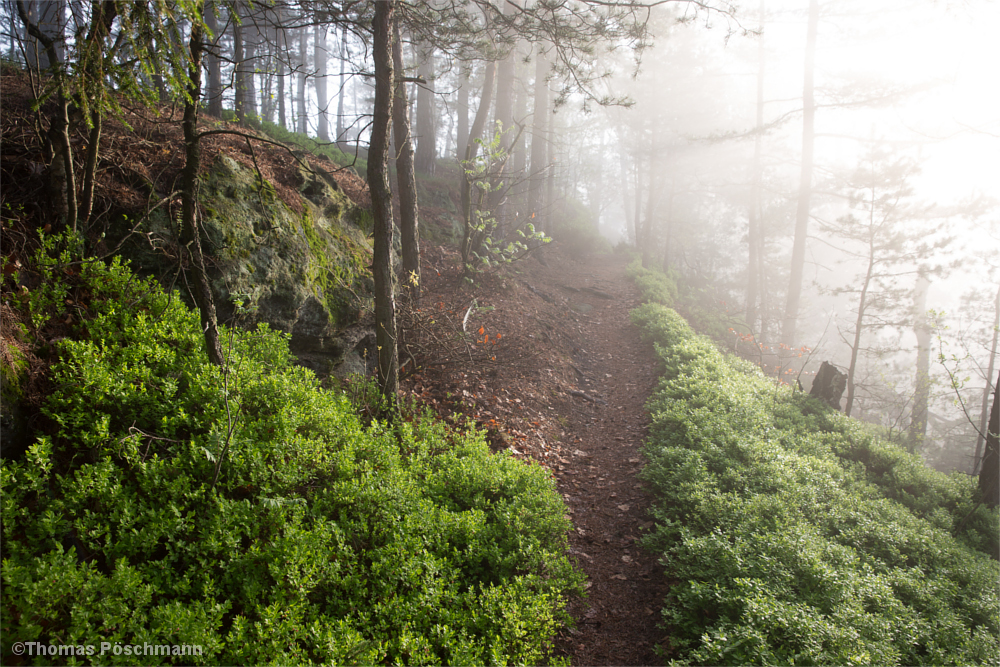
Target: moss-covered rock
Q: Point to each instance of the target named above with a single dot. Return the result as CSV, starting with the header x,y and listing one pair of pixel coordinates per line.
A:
x,y
306,274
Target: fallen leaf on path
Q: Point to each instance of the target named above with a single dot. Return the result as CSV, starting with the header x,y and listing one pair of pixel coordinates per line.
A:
x,y
624,508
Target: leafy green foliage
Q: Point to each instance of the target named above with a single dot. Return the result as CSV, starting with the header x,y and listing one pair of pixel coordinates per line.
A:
x,y
483,245
656,287
322,540
796,535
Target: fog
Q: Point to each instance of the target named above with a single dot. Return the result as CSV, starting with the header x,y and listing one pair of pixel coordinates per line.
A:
x,y
917,82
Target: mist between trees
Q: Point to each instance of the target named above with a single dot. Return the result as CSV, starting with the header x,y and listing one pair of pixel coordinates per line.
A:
x,y
819,199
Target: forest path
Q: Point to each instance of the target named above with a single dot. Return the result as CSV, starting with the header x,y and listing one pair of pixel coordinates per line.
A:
x,y
617,622
564,384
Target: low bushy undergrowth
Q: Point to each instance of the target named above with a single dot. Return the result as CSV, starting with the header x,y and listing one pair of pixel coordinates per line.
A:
x,y
795,535
247,511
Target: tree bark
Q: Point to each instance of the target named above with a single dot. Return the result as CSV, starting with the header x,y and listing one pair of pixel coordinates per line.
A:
x,y
984,411
794,294
471,150
190,237
102,16
378,184
302,127
48,18
989,477
409,221
343,84
539,142
754,223
462,123
213,91
918,415
62,177
322,99
859,322
426,157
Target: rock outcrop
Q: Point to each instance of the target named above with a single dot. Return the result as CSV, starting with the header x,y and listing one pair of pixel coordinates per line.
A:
x,y
305,274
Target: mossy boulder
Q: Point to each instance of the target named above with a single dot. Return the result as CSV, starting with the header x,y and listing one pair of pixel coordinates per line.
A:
x,y
306,274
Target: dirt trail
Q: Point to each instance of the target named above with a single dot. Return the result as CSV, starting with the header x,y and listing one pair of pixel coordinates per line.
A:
x,y
616,624
567,388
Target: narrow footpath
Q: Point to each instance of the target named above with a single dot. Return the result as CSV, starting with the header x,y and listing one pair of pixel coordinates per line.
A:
x,y
559,375
617,622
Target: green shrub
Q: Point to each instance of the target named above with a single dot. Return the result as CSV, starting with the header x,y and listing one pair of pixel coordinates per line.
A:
x,y
796,535
322,540
656,286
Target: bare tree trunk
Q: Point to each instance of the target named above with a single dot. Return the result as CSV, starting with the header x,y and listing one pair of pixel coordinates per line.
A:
x,y
322,99
921,327
989,476
754,223
637,220
539,142
242,72
984,411
302,127
409,221
190,237
343,84
462,131
378,184
48,17
62,177
426,158
213,92
102,17
858,324
647,242
790,321
471,150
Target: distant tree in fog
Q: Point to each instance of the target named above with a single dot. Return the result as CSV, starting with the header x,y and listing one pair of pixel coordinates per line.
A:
x,y
883,236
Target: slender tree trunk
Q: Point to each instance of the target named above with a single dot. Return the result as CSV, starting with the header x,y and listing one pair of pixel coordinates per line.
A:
x,y
322,99
102,16
213,91
426,157
921,396
343,84
989,476
667,228
282,40
62,176
302,127
984,411
409,220
462,108
539,142
753,234
378,184
790,321
504,112
637,220
550,176
858,323
471,150
190,236
240,65
48,18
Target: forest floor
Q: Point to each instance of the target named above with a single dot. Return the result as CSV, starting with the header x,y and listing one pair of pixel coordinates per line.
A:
x,y
557,374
